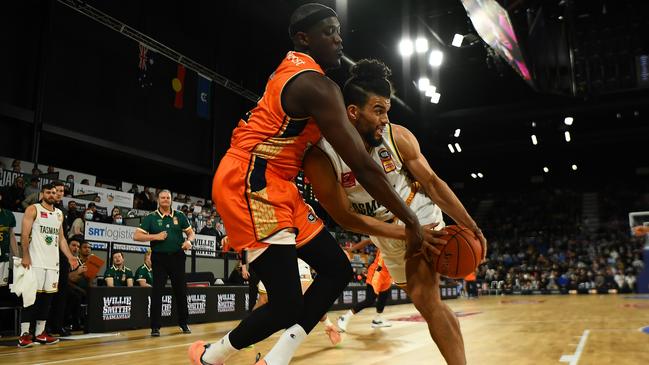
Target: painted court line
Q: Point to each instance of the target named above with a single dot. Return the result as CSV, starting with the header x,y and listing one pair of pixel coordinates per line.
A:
x,y
114,354
574,358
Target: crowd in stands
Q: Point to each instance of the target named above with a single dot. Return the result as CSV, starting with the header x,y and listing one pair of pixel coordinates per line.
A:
x,y
540,242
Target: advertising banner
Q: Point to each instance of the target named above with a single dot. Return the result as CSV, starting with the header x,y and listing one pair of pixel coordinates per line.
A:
x,y
106,196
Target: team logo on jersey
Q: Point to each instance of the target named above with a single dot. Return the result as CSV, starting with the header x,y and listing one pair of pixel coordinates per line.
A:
x,y
386,161
347,179
311,217
175,221
43,215
48,240
54,285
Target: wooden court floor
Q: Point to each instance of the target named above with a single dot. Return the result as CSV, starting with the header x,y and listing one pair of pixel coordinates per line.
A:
x,y
588,329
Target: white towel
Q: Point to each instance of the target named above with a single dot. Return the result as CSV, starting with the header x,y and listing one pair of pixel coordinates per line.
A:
x,y
24,283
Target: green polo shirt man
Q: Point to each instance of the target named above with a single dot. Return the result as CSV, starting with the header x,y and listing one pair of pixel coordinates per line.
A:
x,y
7,243
164,228
173,224
144,273
118,274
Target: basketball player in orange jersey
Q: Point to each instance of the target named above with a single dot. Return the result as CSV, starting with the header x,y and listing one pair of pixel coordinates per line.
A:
x,y
367,97
377,290
261,207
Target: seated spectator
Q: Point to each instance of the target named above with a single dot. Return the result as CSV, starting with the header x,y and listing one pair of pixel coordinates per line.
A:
x,y
117,219
97,184
31,199
144,273
79,285
236,276
32,188
50,169
209,229
15,194
70,179
36,172
15,166
96,216
78,225
118,274
85,182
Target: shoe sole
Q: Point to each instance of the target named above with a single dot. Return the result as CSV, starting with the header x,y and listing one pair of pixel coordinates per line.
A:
x,y
47,343
381,325
25,346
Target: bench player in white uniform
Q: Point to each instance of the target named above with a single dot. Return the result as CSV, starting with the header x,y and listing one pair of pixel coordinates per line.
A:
x,y
367,98
41,238
306,279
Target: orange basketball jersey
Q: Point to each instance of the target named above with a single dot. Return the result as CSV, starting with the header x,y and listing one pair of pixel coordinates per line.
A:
x,y
268,132
252,187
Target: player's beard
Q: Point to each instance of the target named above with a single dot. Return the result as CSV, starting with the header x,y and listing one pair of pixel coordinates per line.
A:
x,y
371,139
50,201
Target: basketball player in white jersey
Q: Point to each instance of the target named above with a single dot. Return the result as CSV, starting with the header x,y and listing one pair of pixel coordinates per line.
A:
x,y
305,279
41,238
367,98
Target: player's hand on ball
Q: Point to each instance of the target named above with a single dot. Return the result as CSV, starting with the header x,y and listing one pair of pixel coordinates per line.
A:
x,y
433,236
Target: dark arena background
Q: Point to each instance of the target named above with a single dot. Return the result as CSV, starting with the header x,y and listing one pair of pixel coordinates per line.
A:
x,y
534,112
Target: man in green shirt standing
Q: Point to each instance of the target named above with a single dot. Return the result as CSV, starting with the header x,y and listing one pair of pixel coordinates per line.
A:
x,y
118,274
8,245
144,273
164,228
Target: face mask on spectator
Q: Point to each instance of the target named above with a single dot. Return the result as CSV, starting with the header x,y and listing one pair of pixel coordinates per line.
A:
x,y
118,221
88,216
189,216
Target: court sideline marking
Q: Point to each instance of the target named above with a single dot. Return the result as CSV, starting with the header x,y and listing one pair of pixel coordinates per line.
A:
x,y
114,354
574,358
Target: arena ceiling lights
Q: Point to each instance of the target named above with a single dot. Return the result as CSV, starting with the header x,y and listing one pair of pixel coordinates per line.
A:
x,y
407,47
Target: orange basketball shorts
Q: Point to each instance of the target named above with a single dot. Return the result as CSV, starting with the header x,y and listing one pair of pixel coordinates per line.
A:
x,y
255,202
378,276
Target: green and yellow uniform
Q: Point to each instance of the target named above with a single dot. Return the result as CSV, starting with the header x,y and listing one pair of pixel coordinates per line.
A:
x,y
144,272
174,224
119,275
7,223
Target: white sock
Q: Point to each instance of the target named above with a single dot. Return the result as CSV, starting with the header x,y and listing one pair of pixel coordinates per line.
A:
x,y
24,328
219,351
285,347
40,327
327,322
348,314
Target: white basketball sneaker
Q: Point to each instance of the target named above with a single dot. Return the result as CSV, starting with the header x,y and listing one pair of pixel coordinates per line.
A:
x,y
379,322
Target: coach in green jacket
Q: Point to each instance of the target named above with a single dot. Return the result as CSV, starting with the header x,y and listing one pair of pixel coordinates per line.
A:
x,y
164,228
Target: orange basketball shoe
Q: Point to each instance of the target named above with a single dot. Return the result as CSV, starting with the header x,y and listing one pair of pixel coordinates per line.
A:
x,y
196,351
333,333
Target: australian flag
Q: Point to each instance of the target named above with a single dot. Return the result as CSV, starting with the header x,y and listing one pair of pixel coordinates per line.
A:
x,y
145,63
203,97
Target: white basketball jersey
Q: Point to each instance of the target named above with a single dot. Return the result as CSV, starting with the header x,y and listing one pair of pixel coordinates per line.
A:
x,y
44,244
387,156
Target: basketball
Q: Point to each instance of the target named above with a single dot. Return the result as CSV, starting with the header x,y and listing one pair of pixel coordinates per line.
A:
x,y
461,255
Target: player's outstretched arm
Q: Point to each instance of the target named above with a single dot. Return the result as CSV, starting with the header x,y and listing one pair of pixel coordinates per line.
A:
x,y
333,199
312,94
436,188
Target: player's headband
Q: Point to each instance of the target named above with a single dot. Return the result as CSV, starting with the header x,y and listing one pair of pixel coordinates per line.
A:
x,y
305,23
